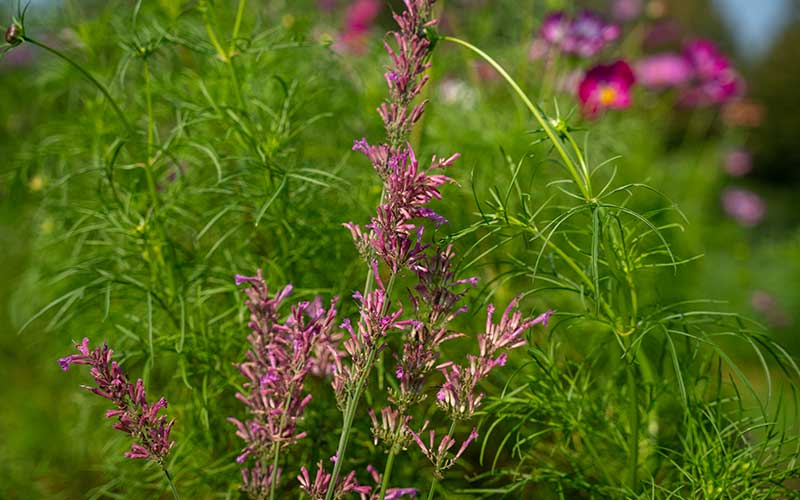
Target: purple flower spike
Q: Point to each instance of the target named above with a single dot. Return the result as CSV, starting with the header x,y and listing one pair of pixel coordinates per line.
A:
x,y
318,488
392,234
391,493
135,416
439,455
282,354
457,396
606,86
240,280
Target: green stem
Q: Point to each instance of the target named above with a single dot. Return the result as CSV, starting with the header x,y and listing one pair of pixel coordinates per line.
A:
x,y
237,25
434,480
276,450
393,451
545,124
570,262
387,471
585,168
352,404
633,416
212,36
274,478
237,86
150,124
226,56
148,167
597,460
88,75
171,484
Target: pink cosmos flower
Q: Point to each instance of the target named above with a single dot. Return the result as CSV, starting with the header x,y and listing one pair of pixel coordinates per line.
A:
x,y
589,34
662,34
606,86
738,162
664,70
746,207
715,80
585,35
327,5
360,17
766,303
627,10
555,28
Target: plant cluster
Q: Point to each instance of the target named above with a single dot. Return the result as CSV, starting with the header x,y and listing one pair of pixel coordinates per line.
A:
x,y
229,160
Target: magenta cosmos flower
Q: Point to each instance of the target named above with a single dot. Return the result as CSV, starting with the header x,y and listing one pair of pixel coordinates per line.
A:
x,y
606,86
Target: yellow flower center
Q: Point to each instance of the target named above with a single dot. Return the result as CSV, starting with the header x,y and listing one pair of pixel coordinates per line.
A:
x,y
607,96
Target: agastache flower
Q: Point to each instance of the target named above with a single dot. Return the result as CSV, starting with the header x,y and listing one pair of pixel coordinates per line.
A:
x,y
405,78
318,488
135,416
438,291
391,429
440,456
256,481
374,323
282,354
436,300
392,235
457,396
391,493
606,86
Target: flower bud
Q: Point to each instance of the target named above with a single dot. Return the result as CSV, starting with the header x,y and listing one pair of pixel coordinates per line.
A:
x,y
14,34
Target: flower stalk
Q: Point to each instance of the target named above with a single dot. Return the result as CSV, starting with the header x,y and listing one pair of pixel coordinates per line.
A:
x,y
582,181
135,415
